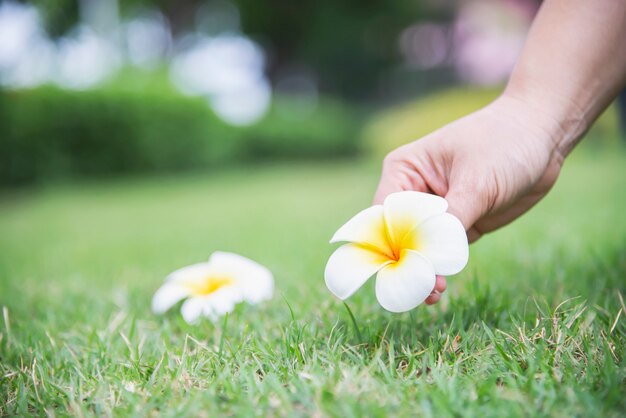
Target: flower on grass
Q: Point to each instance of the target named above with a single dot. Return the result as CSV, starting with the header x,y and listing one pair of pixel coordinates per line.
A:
x,y
213,288
407,240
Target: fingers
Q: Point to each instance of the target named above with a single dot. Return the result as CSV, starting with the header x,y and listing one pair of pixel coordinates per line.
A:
x,y
465,205
432,299
389,183
473,234
440,287
440,284
398,174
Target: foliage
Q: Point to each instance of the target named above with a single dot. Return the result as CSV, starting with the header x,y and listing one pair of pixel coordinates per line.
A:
x,y
397,126
59,16
293,129
49,133
55,133
347,44
535,326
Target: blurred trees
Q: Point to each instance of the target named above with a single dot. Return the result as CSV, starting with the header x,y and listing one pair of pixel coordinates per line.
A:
x,y
344,44
60,15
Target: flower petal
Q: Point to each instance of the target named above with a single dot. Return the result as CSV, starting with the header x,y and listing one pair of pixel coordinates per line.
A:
x,y
211,306
193,308
367,228
167,296
254,281
406,210
222,302
443,240
404,285
350,266
190,274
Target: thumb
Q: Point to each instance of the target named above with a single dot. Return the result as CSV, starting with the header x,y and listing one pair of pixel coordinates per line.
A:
x,y
396,177
388,184
465,204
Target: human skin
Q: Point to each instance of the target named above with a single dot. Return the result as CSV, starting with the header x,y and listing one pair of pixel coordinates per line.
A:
x,y
495,164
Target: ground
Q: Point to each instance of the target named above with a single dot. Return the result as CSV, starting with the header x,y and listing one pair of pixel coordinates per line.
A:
x,y
534,326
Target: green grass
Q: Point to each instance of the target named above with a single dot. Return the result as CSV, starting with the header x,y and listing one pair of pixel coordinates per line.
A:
x,y
531,328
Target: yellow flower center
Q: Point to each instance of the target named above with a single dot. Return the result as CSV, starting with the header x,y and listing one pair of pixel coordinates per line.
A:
x,y
209,285
402,238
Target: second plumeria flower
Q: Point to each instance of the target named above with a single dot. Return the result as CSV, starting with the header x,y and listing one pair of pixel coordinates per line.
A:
x,y
212,289
407,240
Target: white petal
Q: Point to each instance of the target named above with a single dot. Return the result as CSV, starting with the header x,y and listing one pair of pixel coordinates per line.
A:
x,y
443,240
349,267
222,301
366,227
193,308
406,210
193,273
167,296
255,281
404,285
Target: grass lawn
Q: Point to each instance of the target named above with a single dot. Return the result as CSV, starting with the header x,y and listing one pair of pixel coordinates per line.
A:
x,y
531,328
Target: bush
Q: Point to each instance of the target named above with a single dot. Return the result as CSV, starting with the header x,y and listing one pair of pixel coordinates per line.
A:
x,y
293,129
47,133
402,124
54,133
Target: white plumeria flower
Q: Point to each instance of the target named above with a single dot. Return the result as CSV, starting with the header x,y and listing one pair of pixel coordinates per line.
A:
x,y
213,288
407,240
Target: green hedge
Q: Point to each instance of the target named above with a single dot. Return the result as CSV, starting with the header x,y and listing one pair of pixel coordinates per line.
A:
x,y
47,133
293,130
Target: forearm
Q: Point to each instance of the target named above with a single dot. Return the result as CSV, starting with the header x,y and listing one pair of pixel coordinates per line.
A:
x,y
572,66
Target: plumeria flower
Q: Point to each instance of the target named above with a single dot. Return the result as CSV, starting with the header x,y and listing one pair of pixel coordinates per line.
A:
x,y
407,240
213,288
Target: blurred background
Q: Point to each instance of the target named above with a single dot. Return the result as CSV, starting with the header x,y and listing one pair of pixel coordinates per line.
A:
x,y
106,88
139,136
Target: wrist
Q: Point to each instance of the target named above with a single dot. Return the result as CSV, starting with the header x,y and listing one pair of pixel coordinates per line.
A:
x,y
562,121
557,122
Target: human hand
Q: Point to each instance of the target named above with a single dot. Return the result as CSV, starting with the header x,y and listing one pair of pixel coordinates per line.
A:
x,y
491,166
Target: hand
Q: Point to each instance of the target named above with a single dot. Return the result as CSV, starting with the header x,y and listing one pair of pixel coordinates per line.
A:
x,y
491,166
